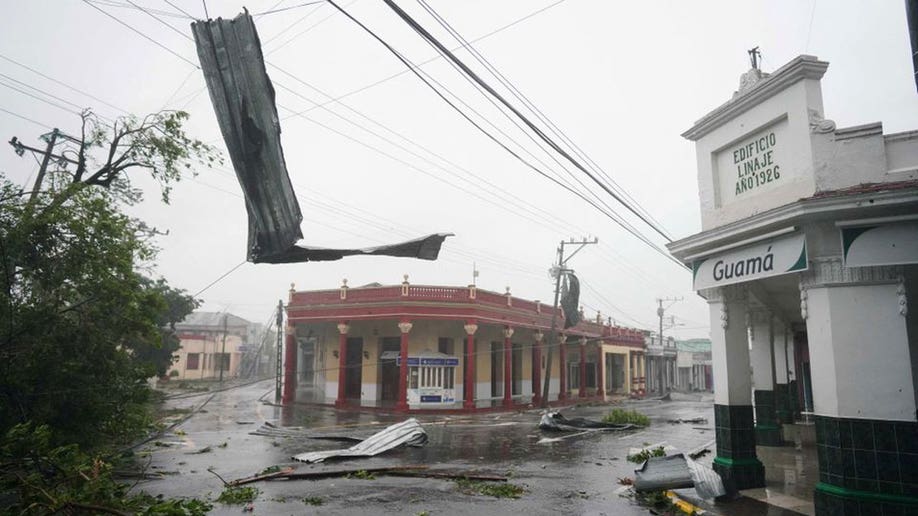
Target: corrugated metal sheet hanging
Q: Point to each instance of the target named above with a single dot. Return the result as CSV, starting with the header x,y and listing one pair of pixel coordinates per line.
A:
x,y
243,99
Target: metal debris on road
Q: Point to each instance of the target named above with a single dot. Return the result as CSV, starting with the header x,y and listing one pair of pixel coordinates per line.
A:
x,y
676,472
694,421
406,433
554,421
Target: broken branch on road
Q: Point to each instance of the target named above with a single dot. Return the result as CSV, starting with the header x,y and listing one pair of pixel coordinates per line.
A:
x,y
418,471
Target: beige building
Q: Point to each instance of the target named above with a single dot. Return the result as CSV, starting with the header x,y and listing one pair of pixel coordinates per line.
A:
x,y
209,341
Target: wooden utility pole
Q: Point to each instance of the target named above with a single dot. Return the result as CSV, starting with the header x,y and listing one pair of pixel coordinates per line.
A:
x,y
278,328
552,336
223,348
44,165
661,364
52,140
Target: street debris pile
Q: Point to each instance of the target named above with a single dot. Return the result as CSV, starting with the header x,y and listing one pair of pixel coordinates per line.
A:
x,y
406,433
555,422
243,98
663,469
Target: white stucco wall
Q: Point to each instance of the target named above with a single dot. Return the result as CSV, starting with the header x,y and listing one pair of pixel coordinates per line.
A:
x,y
859,351
786,114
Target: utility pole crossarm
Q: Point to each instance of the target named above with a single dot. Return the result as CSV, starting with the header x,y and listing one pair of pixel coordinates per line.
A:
x,y
552,336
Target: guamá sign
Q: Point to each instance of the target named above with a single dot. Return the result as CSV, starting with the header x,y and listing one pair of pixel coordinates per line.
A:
x,y
772,257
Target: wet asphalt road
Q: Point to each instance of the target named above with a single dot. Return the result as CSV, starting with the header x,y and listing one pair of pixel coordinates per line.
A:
x,y
574,475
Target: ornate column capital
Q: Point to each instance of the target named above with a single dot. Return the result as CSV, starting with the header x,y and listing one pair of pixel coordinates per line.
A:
x,y
470,328
343,328
562,338
538,335
508,332
405,326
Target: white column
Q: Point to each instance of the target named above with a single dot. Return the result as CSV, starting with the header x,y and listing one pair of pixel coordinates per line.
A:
x,y
760,354
729,347
858,342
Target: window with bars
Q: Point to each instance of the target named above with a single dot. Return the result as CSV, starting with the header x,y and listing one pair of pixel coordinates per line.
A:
x,y
437,377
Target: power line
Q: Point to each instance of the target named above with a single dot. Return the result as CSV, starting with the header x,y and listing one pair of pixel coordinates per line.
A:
x,y
438,56
492,33
272,11
304,31
27,119
186,13
36,97
292,25
112,3
532,107
414,70
144,36
452,57
214,282
160,20
81,92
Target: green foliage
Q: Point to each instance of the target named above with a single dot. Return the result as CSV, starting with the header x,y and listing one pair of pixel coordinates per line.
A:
x,y
361,475
80,329
173,306
269,469
313,500
625,417
495,489
238,495
71,304
658,501
643,455
40,478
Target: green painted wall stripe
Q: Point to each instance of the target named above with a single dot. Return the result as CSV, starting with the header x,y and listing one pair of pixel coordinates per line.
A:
x,y
865,495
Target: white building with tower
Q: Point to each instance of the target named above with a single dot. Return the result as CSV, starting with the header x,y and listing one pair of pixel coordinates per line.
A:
x,y
807,257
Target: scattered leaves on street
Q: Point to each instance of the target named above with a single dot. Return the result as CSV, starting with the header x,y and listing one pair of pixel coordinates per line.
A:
x,y
238,495
497,490
313,500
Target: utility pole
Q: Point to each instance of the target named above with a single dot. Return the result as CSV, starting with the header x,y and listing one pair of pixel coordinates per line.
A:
x,y
552,336
278,327
44,164
223,349
52,140
660,312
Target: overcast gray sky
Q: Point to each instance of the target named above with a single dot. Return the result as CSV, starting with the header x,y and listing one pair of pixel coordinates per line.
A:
x,y
622,79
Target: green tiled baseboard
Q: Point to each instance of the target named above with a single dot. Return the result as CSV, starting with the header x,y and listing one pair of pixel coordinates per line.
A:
x,y
833,500
736,461
864,462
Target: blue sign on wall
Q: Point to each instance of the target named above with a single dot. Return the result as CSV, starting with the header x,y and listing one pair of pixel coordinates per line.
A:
x,y
425,361
431,399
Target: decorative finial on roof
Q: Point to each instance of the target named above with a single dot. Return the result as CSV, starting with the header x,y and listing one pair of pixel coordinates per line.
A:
x,y
755,74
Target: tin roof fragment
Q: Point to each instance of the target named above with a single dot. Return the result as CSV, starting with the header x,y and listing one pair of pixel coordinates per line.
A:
x,y
244,102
